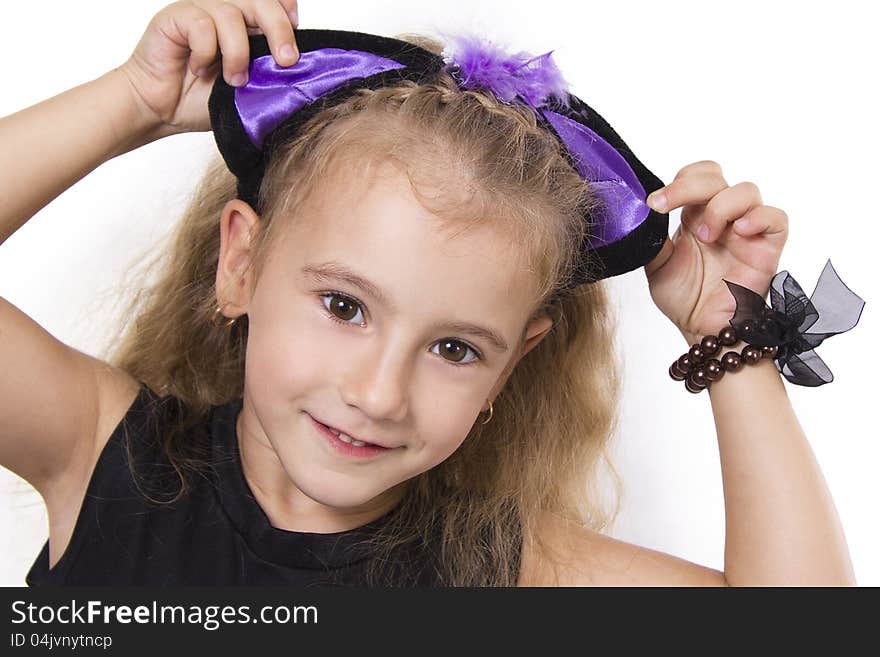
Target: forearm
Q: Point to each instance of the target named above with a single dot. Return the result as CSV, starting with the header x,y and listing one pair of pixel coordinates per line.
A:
x,y
46,148
781,524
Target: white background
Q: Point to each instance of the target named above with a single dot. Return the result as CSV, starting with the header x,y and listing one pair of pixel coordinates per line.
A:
x,y
782,94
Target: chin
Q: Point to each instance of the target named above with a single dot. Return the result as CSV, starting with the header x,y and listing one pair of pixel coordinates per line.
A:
x,y
337,490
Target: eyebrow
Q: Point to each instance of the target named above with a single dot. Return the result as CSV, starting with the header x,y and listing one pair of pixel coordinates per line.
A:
x,y
327,271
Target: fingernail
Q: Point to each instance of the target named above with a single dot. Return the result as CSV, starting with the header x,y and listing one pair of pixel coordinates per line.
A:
x,y
287,51
742,224
238,79
703,232
294,16
658,201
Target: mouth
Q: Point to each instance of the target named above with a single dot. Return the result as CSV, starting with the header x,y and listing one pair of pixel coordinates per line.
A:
x,y
345,444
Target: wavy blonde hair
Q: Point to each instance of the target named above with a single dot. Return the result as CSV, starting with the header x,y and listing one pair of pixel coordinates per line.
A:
x,y
543,450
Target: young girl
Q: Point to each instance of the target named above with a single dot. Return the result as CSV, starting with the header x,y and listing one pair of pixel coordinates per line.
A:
x,y
364,360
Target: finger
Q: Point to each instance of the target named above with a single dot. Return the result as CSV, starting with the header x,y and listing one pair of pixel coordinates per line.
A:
x,y
273,19
292,9
703,166
763,220
727,206
289,7
232,37
693,189
202,37
659,200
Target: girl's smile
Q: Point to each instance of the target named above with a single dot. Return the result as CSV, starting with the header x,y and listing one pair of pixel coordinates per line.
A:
x,y
346,444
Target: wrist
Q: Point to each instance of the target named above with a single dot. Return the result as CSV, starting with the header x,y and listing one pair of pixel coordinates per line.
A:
x,y
132,124
708,358
690,338
738,383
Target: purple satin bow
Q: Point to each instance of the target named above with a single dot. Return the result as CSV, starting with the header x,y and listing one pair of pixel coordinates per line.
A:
x,y
786,324
536,80
274,92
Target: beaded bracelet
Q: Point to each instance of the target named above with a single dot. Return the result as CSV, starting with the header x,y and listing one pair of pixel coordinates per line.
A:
x,y
699,370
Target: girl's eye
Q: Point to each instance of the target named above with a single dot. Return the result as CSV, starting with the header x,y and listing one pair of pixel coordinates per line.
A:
x,y
458,350
342,308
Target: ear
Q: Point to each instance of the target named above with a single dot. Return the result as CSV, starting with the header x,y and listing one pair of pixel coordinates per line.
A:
x,y
536,330
234,283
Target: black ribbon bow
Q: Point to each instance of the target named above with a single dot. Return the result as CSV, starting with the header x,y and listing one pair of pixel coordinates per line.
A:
x,y
786,324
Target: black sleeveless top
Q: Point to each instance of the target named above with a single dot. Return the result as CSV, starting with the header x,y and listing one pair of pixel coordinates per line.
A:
x,y
215,535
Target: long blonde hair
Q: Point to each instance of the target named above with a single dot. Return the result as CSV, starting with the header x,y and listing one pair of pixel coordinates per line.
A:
x,y
543,450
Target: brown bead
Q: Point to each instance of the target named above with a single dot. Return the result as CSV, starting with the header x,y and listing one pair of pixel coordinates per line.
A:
x,y
752,354
690,386
710,345
728,336
771,351
698,377
731,361
696,353
675,373
685,363
713,369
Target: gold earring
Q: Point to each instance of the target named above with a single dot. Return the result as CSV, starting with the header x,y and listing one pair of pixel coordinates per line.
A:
x,y
215,317
491,412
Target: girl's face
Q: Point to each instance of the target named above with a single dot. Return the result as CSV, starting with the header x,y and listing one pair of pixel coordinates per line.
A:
x,y
368,319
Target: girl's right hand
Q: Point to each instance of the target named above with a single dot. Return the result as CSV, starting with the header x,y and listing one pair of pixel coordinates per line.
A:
x,y
164,69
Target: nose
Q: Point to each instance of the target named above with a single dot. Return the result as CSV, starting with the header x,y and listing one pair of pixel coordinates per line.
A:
x,y
377,382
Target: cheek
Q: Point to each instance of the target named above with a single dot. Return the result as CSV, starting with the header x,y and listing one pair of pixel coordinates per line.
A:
x,y
445,423
289,350
282,374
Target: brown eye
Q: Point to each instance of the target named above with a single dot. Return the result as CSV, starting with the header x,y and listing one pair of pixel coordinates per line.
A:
x,y
454,351
342,307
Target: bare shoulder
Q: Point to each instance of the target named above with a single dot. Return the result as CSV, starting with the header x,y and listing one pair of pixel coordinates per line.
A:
x,y
117,390
579,556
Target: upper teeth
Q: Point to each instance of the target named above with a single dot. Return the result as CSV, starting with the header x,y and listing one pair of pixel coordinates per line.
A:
x,y
347,439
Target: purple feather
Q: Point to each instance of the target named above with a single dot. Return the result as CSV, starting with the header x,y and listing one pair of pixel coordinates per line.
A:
x,y
481,63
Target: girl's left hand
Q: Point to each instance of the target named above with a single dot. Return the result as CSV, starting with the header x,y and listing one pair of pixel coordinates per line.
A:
x,y
743,245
